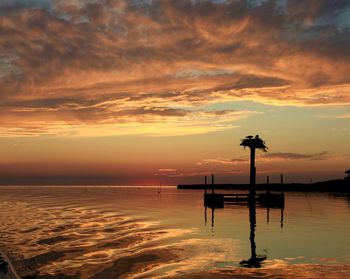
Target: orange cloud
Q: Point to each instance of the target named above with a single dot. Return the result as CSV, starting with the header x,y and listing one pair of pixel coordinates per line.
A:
x,y
114,67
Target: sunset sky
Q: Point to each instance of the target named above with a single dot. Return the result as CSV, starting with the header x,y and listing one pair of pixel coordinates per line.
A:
x,y
148,92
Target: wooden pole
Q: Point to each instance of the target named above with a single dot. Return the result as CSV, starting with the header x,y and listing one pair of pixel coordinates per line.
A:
x,y
281,178
205,183
252,175
212,183
252,166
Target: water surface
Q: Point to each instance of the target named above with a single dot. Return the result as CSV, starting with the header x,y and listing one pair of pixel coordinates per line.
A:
x,y
136,232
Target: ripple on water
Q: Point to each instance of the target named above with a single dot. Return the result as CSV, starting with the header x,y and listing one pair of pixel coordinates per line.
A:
x,y
53,240
69,237
58,241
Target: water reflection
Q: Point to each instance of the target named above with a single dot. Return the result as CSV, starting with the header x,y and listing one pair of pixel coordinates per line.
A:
x,y
212,215
109,232
255,261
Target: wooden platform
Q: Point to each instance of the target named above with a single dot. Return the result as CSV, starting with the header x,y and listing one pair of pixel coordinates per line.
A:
x,y
271,200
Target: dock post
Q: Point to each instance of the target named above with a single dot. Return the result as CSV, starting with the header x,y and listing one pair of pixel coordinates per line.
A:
x,y
205,183
281,179
267,184
212,183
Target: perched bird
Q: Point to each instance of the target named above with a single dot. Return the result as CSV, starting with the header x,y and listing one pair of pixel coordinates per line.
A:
x,y
249,137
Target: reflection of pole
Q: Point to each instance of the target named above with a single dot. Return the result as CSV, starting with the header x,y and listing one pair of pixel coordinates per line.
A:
x,y
205,215
212,217
267,215
254,260
282,209
252,220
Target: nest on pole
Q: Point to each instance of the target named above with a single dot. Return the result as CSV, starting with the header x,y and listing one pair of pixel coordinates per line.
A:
x,y
254,142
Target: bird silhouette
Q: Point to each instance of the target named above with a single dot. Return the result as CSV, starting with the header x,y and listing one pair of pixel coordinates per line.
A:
x,y
249,137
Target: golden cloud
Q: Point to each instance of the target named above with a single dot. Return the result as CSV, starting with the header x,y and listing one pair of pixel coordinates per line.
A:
x,y
124,67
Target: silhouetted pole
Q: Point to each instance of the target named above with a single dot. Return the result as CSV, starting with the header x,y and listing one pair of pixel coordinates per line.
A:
x,y
205,183
212,183
281,178
252,175
252,166
253,143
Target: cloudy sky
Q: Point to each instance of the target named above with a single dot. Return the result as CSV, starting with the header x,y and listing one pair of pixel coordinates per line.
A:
x,y
149,92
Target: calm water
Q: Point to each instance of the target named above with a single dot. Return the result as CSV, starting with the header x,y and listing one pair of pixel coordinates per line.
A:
x,y
134,232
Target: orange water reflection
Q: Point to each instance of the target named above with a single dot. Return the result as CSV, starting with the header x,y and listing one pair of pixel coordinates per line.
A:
x,y
111,232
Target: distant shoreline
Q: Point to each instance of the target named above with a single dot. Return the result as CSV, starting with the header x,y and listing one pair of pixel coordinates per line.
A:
x,y
339,185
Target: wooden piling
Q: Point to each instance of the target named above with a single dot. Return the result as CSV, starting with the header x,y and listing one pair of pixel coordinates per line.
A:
x,y
267,184
212,183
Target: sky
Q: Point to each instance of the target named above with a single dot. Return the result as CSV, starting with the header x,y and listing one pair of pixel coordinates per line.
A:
x,y
161,92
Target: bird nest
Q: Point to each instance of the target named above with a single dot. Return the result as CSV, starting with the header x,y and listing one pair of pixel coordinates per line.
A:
x,y
254,142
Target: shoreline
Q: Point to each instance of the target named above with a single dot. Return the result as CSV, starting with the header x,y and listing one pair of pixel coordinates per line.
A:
x,y
340,185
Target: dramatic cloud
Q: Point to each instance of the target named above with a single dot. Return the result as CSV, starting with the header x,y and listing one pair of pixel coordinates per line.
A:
x,y
152,121
139,67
